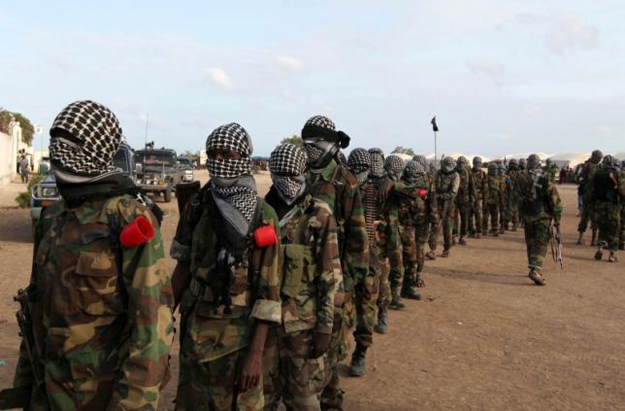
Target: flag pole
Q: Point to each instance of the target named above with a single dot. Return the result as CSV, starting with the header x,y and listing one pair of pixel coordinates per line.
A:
x,y
435,152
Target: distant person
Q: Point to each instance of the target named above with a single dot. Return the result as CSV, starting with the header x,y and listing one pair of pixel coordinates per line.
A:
x,y
539,206
24,168
605,196
590,167
563,174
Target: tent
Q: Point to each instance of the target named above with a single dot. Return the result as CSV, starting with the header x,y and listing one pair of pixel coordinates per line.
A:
x,y
620,155
569,159
542,156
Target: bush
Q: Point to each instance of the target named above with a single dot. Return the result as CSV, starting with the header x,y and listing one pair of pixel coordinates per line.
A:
x,y
23,198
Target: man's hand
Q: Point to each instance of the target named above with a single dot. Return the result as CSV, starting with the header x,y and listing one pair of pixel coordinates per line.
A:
x,y
251,371
321,343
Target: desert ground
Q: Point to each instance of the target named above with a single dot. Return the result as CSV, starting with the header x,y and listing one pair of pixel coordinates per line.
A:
x,y
482,338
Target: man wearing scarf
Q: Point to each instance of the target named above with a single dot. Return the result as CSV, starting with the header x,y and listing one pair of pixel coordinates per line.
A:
x,y
447,183
101,310
464,198
479,182
539,205
311,273
394,167
334,184
359,163
606,196
228,281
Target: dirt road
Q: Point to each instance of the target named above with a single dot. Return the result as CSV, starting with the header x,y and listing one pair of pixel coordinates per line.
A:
x,y
486,339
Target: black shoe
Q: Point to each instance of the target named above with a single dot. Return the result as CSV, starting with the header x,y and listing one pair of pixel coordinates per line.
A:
x,y
382,326
396,303
357,366
410,294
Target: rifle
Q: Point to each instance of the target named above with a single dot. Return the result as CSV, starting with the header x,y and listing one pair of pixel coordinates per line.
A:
x,y
443,214
19,397
556,246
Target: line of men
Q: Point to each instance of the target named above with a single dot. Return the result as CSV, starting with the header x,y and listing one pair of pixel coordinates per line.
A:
x,y
268,288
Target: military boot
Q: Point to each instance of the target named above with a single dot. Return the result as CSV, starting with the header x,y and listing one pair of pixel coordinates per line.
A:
x,y
408,291
593,242
612,258
357,366
382,326
599,253
445,253
396,302
535,276
430,255
580,240
462,241
418,282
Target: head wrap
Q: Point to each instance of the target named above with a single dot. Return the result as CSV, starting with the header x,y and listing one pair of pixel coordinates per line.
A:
x,y
322,141
414,171
533,162
376,157
394,165
421,160
85,136
522,163
492,169
358,163
287,165
596,156
477,162
232,178
609,162
448,164
513,164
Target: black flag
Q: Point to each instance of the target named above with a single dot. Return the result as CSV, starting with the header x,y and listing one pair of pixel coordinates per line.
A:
x,y
434,126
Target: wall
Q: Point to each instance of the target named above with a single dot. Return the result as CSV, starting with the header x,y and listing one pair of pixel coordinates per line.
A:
x,y
9,146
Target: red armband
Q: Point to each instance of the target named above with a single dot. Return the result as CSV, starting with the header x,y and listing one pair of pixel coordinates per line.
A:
x,y
140,231
265,236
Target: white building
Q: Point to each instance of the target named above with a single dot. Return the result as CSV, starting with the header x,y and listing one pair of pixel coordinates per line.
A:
x,y
10,144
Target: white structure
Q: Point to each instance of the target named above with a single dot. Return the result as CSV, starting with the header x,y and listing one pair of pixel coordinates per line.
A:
x,y
569,159
10,144
620,155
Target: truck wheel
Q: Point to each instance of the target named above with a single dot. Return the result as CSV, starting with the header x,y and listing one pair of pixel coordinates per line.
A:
x,y
168,194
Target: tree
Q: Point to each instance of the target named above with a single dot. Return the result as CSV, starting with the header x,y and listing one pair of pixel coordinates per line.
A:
x,y
5,120
27,128
294,139
403,150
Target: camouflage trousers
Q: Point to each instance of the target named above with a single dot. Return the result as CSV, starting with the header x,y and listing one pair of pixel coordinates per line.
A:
x,y
622,235
491,210
587,214
446,221
209,386
366,297
422,232
475,218
332,396
461,219
391,272
512,213
537,236
608,217
503,215
409,257
295,377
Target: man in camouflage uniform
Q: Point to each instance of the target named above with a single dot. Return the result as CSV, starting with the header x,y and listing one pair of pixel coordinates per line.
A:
x,y
417,210
605,195
101,308
447,183
492,200
550,170
479,182
464,199
622,235
334,184
230,284
589,169
513,202
389,242
311,274
503,205
539,205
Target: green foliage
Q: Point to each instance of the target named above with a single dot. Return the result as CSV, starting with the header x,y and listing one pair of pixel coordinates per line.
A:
x,y
294,139
27,128
5,120
403,150
23,198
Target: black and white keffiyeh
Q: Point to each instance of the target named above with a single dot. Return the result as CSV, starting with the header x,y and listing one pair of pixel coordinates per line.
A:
x,y
394,166
358,163
414,172
321,121
287,165
229,137
84,139
421,160
376,159
240,197
321,141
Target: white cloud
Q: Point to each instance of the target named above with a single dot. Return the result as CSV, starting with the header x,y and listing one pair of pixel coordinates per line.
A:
x,y
290,63
488,68
218,77
571,33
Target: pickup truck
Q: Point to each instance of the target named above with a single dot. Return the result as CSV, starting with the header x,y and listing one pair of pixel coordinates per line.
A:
x,y
158,171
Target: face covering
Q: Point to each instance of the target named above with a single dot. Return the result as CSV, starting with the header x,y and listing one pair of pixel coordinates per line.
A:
x,y
376,160
358,163
287,164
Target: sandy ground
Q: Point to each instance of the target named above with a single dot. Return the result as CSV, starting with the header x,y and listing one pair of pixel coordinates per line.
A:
x,y
485,339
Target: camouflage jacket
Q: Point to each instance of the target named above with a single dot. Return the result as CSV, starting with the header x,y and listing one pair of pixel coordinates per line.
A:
x,y
416,203
511,178
480,183
96,337
587,173
310,267
339,189
466,187
538,197
221,305
551,172
447,185
493,194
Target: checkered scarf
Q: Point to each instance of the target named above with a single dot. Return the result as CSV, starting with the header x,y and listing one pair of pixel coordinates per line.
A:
x,y
315,151
228,174
321,121
287,165
394,166
414,171
84,139
421,160
358,163
376,157
230,137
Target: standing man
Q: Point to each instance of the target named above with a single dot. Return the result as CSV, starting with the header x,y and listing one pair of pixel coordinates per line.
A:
x,y
311,273
447,183
394,166
513,201
605,199
622,234
334,184
492,200
100,299
503,206
228,281
479,182
551,170
590,167
23,166
464,198
540,205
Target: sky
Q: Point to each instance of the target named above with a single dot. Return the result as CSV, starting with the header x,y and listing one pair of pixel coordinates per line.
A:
x,y
501,76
